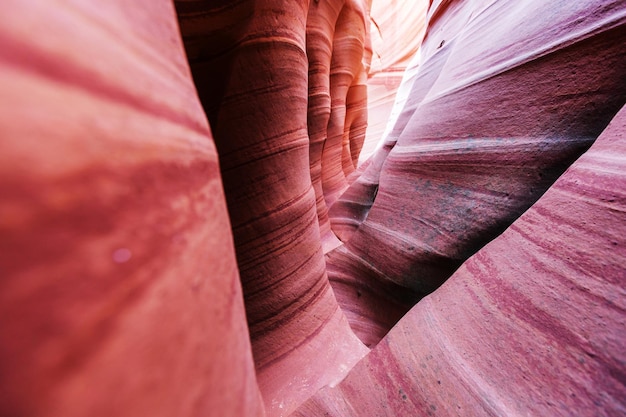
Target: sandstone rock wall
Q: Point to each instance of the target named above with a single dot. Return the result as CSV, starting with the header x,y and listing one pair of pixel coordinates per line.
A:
x,y
397,29
119,287
256,63
533,324
491,122
173,174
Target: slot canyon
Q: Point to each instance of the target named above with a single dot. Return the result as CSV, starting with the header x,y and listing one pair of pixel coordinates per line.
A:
x,y
346,208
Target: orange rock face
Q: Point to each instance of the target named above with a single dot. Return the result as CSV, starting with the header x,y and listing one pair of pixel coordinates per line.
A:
x,y
185,229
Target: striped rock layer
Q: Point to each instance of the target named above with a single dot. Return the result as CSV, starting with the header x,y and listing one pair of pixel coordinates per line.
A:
x,y
119,288
490,123
172,175
339,53
250,65
532,324
397,29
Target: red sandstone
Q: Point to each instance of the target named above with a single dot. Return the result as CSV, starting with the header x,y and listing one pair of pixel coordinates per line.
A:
x,y
185,229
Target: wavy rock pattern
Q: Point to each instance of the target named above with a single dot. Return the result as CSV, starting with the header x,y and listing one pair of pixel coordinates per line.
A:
x,y
140,276
347,82
321,23
496,120
351,209
111,276
388,88
339,54
251,72
533,324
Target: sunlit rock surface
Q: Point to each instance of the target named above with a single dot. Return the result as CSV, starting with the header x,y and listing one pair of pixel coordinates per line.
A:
x,y
533,324
397,28
171,175
495,114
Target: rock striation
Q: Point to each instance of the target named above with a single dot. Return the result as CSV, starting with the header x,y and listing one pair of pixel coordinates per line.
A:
x,y
532,324
251,72
489,124
339,54
119,288
397,29
185,229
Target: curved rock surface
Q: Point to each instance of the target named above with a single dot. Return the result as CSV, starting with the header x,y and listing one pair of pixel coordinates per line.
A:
x,y
117,296
141,276
491,122
250,69
339,54
397,29
533,324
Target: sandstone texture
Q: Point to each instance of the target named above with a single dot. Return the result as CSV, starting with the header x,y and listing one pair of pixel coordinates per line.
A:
x,y
490,123
188,226
119,288
532,324
250,66
397,29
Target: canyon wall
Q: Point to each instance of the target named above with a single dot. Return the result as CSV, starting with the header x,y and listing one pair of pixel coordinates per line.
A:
x,y
397,29
533,324
186,231
253,76
489,124
119,288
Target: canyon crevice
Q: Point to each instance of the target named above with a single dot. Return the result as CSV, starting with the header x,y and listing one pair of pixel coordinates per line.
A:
x,y
189,226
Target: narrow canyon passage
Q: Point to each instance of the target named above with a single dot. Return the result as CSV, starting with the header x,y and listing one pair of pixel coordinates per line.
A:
x,y
312,208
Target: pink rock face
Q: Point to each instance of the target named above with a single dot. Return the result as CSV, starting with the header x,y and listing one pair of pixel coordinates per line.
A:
x,y
347,82
396,33
533,324
321,22
490,123
142,276
111,276
338,52
251,74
